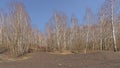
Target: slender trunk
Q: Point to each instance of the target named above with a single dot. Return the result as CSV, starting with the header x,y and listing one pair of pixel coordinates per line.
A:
x,y
113,27
87,39
93,40
64,40
101,39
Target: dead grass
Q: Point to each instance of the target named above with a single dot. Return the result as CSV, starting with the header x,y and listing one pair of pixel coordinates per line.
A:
x,y
67,52
6,58
64,52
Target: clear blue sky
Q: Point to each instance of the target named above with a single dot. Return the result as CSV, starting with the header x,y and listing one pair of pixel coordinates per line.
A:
x,y
40,11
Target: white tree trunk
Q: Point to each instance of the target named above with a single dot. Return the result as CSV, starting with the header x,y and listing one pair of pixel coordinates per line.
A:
x,y
113,27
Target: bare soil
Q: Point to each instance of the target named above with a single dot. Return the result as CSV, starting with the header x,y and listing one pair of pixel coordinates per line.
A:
x,y
48,60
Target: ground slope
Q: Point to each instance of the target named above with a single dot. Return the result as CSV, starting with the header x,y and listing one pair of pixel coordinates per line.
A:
x,y
47,60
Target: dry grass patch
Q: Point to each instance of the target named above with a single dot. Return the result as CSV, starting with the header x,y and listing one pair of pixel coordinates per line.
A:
x,y
6,58
65,52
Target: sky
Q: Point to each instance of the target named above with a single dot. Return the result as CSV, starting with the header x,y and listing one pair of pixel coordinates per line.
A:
x,y
40,11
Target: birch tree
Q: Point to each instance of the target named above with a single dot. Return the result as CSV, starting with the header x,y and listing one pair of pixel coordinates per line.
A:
x,y
18,29
88,21
74,33
114,5
2,21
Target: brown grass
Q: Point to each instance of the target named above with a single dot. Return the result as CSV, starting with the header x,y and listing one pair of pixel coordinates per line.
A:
x,y
64,52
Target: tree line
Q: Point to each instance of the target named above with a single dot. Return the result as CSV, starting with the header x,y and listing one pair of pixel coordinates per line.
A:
x,y
100,31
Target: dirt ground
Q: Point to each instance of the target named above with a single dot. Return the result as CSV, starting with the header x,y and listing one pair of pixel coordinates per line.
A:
x,y
47,60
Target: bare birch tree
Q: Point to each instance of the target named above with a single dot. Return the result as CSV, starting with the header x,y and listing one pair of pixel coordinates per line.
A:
x,y
18,29
114,5
88,21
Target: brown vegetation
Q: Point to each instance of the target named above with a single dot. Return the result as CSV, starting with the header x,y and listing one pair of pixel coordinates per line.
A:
x,y
101,31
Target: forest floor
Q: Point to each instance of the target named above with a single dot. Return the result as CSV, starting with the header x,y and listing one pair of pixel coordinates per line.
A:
x,y
48,60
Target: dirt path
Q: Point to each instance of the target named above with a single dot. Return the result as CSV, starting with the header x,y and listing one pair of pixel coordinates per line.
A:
x,y
46,60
